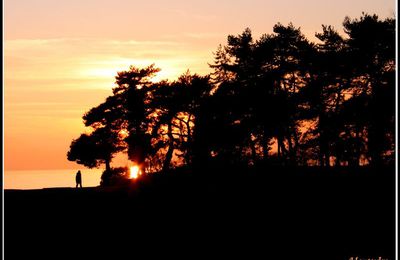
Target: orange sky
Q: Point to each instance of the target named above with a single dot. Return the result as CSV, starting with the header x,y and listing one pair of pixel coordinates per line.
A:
x,y
61,56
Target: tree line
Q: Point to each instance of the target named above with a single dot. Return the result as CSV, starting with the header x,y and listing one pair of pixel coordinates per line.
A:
x,y
280,99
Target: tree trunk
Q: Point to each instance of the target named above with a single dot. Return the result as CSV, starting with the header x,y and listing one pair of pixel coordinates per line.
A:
x,y
108,167
322,141
327,158
321,159
253,150
290,147
189,141
358,144
200,146
279,148
296,146
265,145
168,156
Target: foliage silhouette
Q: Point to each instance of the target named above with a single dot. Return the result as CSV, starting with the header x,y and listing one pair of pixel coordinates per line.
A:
x,y
280,99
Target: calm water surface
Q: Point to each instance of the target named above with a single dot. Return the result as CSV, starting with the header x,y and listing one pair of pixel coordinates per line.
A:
x,y
50,178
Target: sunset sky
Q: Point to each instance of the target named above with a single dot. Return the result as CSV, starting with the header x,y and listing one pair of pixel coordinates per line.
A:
x,y
61,56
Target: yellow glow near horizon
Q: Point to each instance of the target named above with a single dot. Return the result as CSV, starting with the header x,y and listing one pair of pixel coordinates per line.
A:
x,y
134,172
171,69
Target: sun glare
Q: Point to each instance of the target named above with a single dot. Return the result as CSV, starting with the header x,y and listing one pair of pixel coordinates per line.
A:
x,y
134,172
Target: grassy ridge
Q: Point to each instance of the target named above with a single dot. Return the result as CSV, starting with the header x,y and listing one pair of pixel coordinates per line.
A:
x,y
307,213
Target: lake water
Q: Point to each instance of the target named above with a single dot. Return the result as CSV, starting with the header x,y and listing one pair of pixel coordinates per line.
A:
x,y
50,178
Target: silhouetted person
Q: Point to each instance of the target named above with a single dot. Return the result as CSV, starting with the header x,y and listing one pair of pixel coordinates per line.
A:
x,y
78,179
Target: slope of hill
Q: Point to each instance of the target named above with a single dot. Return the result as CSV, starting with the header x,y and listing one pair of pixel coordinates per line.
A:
x,y
308,213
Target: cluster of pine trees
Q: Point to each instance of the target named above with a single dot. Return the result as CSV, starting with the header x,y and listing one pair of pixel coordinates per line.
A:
x,y
280,99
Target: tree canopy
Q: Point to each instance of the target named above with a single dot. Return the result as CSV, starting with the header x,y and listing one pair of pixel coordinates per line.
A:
x,y
280,99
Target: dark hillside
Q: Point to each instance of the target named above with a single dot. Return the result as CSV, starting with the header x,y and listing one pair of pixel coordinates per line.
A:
x,y
307,213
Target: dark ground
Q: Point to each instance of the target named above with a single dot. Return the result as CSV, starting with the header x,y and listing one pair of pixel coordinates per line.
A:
x,y
278,213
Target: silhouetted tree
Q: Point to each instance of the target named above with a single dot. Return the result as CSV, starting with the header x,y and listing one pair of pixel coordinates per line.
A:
x,y
93,149
104,141
195,92
165,105
105,120
371,45
330,103
323,96
262,88
176,106
133,90
83,150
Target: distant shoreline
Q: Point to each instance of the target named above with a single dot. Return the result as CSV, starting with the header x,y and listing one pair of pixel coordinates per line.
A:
x,y
43,179
50,188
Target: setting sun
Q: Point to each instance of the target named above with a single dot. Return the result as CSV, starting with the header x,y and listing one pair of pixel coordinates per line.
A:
x,y
134,172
